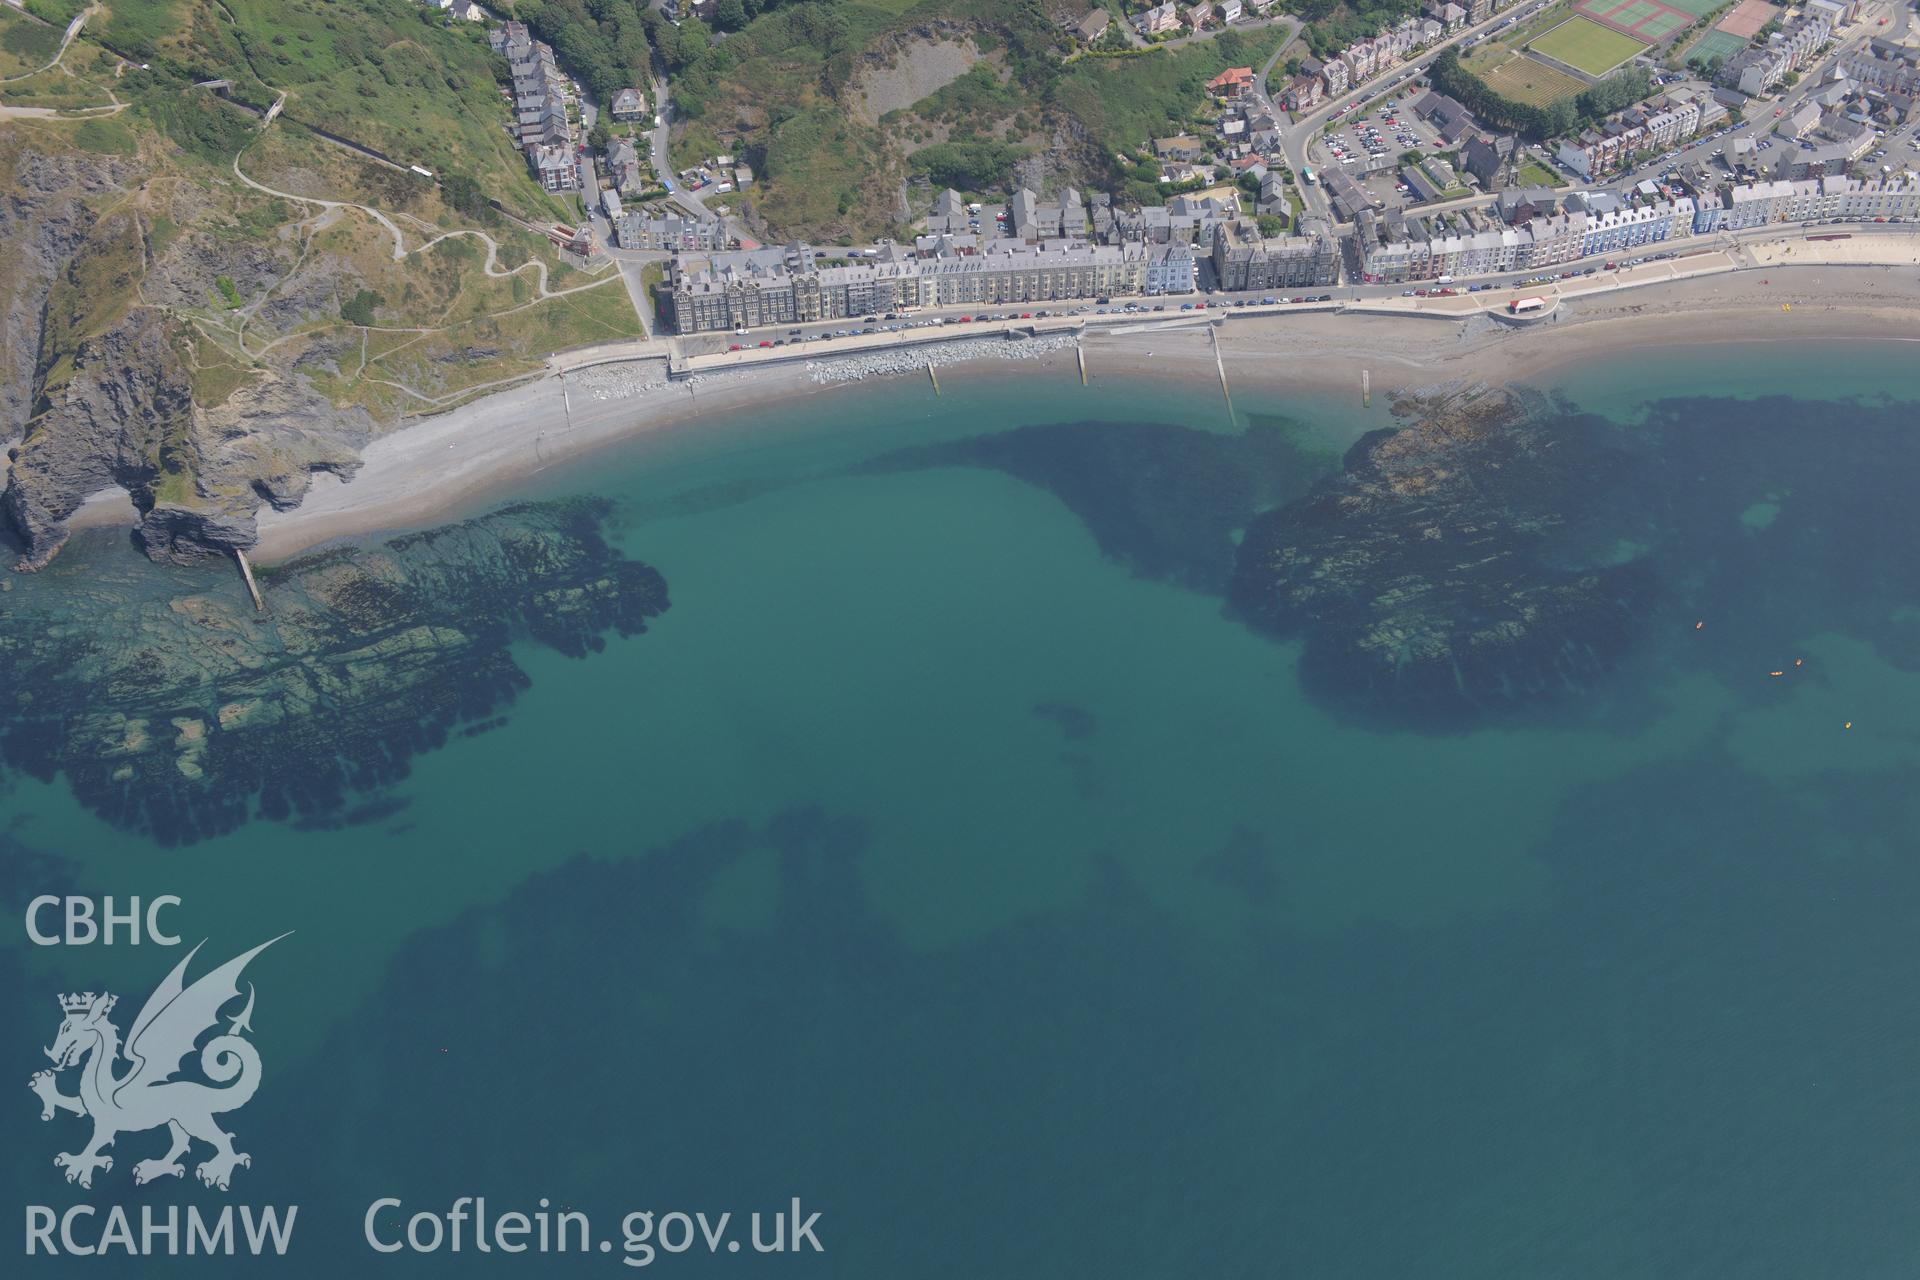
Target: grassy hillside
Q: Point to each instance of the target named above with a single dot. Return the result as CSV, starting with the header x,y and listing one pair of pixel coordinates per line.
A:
x,y
25,44
807,95
392,74
260,291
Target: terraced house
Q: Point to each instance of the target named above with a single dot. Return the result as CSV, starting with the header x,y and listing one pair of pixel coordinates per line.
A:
x,y
1385,255
672,232
1759,204
792,285
1756,70
540,92
1614,142
1882,65
1243,259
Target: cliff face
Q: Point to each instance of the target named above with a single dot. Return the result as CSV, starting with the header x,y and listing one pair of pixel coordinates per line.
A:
x,y
104,383
44,220
125,395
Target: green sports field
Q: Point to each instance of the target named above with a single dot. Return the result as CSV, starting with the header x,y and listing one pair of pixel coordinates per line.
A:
x,y
1587,46
1525,79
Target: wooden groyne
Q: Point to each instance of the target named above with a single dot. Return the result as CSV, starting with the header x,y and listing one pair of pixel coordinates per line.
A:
x,y
932,376
1080,351
1366,388
1220,363
253,588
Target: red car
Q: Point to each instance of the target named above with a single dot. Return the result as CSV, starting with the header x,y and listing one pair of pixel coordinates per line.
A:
x,y
766,344
733,346
1026,315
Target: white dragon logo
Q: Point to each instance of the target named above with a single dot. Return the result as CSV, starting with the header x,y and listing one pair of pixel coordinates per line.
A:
x,y
147,1096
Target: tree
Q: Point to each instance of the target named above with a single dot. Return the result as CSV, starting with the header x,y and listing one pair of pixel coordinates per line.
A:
x,y
600,135
730,15
1271,224
966,166
360,308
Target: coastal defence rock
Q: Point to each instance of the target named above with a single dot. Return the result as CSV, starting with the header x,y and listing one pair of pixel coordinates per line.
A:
x,y
173,709
1441,574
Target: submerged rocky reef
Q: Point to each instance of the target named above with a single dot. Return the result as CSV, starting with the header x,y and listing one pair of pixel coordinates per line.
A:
x,y
174,709
1445,569
1462,564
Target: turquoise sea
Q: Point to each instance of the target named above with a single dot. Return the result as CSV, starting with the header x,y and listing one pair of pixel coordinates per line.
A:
x,y
950,857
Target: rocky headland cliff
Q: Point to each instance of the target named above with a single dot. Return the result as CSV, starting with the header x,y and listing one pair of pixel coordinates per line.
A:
x,y
106,381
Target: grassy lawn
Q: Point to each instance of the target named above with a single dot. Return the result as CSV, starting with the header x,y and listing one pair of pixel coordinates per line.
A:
x,y
1585,44
1535,174
1524,79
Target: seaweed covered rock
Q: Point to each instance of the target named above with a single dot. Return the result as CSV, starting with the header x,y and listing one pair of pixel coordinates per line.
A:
x,y
1444,572
174,709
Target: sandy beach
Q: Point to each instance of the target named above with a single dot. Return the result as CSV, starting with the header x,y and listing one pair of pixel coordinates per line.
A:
x,y
423,471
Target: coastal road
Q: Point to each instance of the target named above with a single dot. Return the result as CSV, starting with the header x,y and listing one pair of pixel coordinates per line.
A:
x,y
1261,93
1260,77
657,152
1892,245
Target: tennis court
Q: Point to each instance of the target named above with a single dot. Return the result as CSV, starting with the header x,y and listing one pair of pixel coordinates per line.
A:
x,y
1585,45
1649,21
1662,25
1716,44
1632,13
1694,8
1747,18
